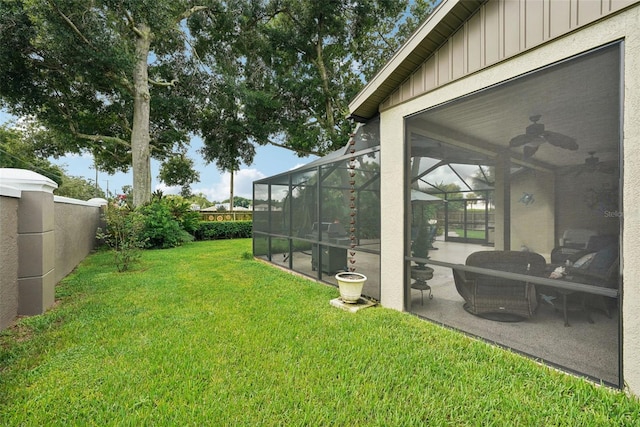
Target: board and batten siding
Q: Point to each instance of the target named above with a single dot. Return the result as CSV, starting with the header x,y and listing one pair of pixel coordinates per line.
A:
x,y
500,29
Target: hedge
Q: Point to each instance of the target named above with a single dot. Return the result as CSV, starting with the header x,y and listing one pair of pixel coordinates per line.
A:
x,y
218,230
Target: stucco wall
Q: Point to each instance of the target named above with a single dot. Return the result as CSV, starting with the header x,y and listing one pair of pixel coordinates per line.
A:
x,y
42,239
631,198
579,208
9,259
75,229
532,225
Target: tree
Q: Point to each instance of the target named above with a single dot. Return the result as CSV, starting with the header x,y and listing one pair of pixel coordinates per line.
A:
x,y
16,152
127,80
239,201
200,200
78,188
288,71
389,35
307,53
178,170
112,77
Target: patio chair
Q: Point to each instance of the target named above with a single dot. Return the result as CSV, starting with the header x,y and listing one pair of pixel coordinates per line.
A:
x,y
498,298
576,238
598,265
573,241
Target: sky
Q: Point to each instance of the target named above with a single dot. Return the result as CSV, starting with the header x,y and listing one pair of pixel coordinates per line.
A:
x,y
214,185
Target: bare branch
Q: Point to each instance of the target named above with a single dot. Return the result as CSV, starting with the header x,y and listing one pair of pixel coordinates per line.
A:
x,y
72,25
94,138
132,24
305,152
104,138
187,13
163,83
120,79
386,41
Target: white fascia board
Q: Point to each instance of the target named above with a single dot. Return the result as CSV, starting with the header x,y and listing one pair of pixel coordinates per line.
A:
x,y
407,49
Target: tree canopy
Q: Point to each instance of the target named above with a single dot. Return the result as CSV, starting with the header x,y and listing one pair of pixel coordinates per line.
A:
x,y
17,151
178,170
292,68
113,78
130,80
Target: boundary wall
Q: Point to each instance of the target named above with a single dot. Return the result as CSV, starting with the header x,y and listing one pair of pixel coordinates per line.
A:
x,y
42,239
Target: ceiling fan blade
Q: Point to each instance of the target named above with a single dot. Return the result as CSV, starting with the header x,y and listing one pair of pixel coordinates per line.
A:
x,y
530,150
608,167
560,140
521,140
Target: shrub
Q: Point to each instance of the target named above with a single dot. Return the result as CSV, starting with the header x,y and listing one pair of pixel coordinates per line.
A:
x,y
123,234
163,224
216,230
181,211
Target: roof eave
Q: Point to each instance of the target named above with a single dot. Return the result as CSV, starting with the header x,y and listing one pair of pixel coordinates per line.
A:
x,y
413,53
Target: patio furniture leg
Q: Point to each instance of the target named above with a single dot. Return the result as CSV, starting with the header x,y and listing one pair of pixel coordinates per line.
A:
x,y
422,286
582,306
586,309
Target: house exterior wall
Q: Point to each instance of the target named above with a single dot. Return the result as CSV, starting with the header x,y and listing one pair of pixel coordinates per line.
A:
x,y
499,30
619,26
532,225
392,241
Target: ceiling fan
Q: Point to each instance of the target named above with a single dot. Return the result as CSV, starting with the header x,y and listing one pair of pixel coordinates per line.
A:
x,y
535,135
593,164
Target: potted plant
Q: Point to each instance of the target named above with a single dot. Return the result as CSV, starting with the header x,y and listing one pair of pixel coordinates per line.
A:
x,y
351,283
420,272
422,243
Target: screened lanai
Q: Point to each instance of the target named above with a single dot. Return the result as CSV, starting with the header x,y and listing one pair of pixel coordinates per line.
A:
x,y
302,218
526,252
528,169
506,155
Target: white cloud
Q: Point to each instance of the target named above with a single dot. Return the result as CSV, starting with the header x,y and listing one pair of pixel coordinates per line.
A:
x,y
243,185
175,189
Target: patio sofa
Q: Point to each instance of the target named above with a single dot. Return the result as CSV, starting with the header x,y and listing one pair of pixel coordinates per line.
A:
x,y
500,298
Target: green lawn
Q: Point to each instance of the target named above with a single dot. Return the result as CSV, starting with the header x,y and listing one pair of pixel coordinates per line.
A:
x,y
471,234
201,335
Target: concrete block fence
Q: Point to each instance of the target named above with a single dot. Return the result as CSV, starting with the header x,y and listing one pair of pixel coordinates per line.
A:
x,y
42,238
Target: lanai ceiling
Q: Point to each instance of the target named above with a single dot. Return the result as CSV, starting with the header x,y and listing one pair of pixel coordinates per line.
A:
x,y
579,98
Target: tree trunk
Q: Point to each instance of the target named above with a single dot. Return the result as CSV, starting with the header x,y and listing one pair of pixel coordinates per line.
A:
x,y
324,77
140,152
231,197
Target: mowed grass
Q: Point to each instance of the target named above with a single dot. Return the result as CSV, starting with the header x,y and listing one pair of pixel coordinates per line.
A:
x,y
201,335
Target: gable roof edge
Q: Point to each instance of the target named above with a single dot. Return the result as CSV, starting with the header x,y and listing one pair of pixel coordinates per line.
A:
x,y
365,103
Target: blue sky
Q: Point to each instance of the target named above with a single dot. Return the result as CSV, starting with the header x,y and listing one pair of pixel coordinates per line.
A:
x,y
269,160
